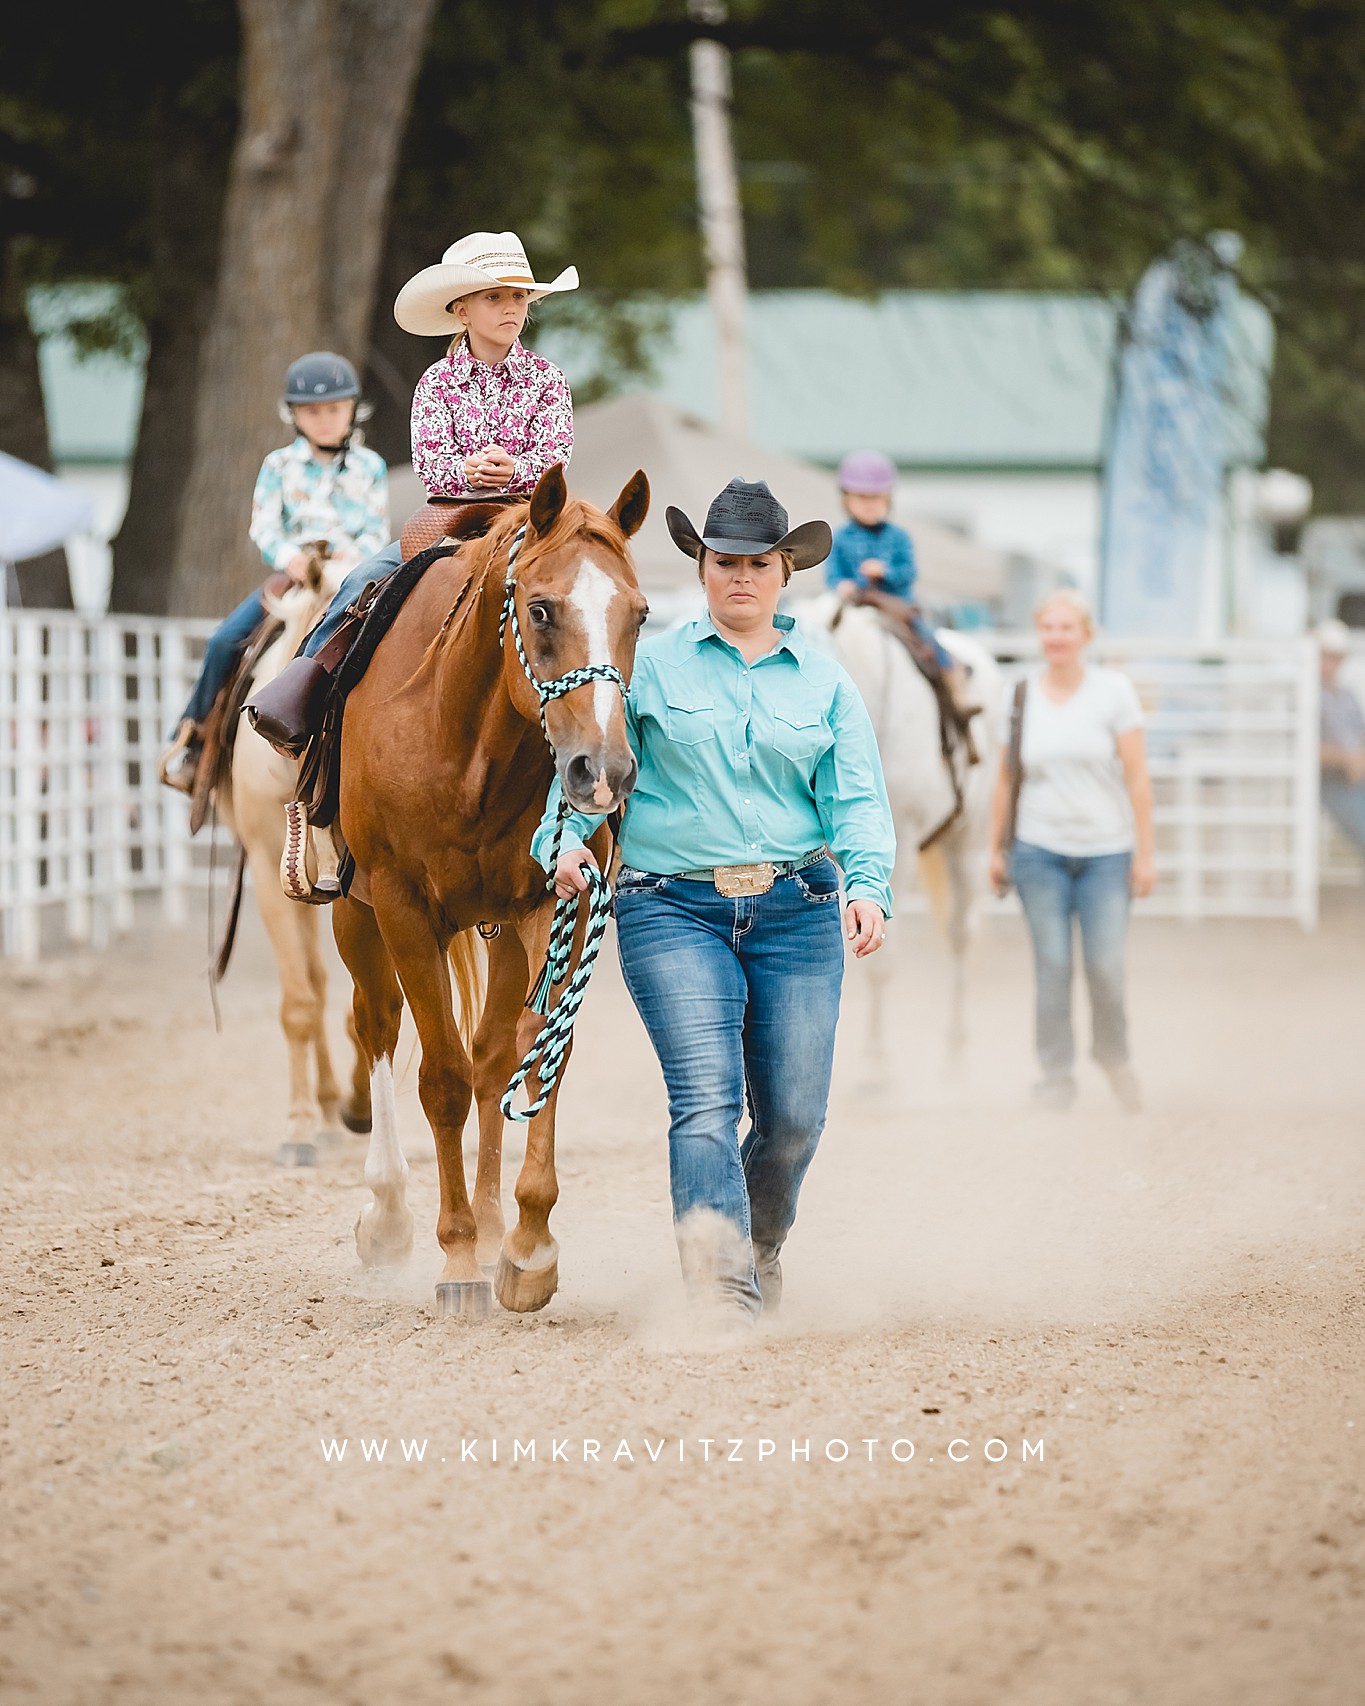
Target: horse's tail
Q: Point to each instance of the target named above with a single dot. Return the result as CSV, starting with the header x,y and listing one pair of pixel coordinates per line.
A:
x,y
469,967
938,888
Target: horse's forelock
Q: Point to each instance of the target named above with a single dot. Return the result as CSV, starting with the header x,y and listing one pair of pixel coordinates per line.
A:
x,y
577,520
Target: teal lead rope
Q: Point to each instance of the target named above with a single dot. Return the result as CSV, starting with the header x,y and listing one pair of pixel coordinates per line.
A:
x,y
545,1057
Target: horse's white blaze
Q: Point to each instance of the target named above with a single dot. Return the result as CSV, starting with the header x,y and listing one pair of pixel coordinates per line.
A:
x,y
593,591
385,1164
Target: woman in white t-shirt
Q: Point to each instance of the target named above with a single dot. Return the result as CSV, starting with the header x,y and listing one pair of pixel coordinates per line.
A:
x,y
1082,842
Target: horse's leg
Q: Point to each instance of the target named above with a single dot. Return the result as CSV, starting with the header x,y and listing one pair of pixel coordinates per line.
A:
x,y
355,1110
495,1060
445,1082
383,1232
301,1004
328,1091
528,1268
957,856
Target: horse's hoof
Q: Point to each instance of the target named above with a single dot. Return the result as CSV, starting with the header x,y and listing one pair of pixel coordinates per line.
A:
x,y
297,1155
524,1290
355,1122
469,1300
377,1250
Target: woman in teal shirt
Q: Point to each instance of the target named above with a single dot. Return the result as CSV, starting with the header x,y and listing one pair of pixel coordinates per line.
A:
x,y
757,762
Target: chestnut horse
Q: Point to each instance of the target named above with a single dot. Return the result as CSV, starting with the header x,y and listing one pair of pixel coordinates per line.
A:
x,y
445,768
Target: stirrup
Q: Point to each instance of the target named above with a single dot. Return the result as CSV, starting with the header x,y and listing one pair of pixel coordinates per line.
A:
x,y
299,862
182,776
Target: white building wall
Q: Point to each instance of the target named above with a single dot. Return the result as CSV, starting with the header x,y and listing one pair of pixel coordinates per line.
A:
x,y
1053,517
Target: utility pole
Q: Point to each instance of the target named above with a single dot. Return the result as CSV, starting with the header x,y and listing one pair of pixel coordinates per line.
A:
x,y
722,220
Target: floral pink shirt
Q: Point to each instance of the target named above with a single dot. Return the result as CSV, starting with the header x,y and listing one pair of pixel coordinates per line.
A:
x,y
461,406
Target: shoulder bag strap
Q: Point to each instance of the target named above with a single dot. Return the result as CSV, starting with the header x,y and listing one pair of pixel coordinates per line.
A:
x,y
1014,763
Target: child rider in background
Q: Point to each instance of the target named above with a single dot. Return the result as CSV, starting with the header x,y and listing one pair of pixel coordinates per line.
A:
x,y
323,488
873,562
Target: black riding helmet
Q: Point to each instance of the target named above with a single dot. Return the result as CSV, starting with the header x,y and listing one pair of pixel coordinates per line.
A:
x,y
320,378
323,378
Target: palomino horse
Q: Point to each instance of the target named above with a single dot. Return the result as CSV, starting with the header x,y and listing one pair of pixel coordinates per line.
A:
x,y
260,785
904,715
524,637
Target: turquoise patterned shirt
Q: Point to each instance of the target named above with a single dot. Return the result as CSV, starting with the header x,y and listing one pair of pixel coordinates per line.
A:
x,y
299,499
744,762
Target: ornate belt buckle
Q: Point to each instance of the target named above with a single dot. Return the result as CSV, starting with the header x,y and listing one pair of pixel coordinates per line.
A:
x,y
736,880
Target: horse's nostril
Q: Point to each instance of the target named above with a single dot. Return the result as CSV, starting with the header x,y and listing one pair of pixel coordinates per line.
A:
x,y
585,776
579,776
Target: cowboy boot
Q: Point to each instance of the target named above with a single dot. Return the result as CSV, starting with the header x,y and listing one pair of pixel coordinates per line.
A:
x,y
179,764
300,877
288,710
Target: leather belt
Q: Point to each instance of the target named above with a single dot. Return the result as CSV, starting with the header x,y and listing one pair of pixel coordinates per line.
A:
x,y
736,880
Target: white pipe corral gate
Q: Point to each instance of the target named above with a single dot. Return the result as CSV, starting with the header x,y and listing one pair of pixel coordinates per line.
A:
x,y
1232,742
86,706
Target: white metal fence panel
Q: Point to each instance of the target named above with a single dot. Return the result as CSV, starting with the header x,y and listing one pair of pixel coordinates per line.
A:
x,y
85,708
1232,742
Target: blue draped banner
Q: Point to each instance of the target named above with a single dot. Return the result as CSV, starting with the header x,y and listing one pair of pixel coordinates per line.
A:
x,y
1170,432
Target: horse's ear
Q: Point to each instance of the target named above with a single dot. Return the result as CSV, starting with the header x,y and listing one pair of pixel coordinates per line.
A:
x,y
317,557
631,508
548,499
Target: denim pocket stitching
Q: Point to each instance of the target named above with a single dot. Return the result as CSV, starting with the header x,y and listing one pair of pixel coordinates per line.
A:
x,y
644,883
812,895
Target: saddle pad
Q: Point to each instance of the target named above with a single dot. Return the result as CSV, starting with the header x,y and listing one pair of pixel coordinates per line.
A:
x,y
372,617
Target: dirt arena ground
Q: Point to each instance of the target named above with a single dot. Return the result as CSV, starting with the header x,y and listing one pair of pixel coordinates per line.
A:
x,y
1166,1307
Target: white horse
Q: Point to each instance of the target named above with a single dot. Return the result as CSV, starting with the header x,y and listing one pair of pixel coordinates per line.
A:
x,y
261,784
949,844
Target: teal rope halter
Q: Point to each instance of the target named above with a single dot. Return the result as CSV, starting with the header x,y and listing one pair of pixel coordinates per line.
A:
x,y
546,1054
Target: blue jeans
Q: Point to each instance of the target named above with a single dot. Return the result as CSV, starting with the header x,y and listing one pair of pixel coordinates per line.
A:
x,y
1346,802
225,646
740,998
1053,889
372,569
925,630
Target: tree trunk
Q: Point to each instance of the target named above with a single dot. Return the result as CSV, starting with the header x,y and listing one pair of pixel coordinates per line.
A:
x,y
325,91
395,360
186,214
42,583
382,54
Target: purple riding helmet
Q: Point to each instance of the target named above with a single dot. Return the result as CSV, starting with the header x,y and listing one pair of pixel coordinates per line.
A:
x,y
867,471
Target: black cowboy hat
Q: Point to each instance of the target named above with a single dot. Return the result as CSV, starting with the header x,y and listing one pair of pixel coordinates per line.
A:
x,y
745,521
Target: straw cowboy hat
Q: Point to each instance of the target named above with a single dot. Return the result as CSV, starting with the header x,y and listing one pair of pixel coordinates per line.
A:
x,y
482,261
746,520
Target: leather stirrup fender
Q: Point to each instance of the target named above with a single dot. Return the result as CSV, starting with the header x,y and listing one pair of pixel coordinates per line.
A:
x,y
288,710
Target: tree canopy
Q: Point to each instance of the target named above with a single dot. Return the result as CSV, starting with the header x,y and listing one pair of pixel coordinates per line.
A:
x,y
1039,143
